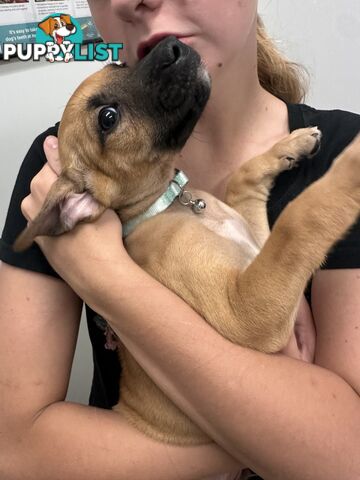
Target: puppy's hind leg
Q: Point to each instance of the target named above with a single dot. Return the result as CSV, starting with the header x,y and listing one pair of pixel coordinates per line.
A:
x,y
249,187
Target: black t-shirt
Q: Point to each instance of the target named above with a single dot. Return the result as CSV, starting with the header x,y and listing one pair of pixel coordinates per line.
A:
x,y
338,129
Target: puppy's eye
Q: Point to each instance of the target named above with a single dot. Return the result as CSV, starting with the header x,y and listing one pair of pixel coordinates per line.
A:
x,y
108,118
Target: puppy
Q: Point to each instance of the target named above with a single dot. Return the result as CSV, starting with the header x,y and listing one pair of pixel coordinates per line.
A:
x,y
58,28
118,140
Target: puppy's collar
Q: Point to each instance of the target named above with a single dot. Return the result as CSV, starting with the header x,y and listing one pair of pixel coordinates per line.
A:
x,y
174,190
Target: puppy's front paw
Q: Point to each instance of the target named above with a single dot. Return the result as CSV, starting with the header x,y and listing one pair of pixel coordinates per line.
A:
x,y
301,143
316,133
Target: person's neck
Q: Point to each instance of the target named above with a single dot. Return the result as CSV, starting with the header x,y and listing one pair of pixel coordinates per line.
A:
x,y
240,121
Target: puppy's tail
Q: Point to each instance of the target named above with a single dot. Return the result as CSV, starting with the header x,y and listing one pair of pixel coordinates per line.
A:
x,y
48,221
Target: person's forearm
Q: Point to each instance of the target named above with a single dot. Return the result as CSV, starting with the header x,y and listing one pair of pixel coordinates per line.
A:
x,y
76,442
283,418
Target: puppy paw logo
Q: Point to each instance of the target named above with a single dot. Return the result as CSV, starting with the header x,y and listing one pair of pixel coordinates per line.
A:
x,y
59,32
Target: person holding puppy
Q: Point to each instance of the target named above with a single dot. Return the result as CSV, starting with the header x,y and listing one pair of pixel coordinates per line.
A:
x,y
282,417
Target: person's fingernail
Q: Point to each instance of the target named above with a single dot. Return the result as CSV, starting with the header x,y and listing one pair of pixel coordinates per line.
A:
x,y
52,142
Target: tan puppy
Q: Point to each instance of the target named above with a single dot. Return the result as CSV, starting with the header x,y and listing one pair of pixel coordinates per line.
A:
x,y
118,140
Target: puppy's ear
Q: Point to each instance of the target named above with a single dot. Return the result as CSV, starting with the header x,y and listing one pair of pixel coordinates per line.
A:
x,y
56,216
66,18
47,25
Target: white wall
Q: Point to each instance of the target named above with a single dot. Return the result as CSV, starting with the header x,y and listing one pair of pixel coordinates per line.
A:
x,y
32,98
323,35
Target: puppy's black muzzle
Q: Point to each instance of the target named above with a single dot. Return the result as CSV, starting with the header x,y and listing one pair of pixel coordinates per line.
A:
x,y
169,73
174,90
170,53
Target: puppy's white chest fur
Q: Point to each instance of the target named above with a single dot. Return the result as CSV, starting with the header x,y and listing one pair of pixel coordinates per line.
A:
x,y
226,222
230,228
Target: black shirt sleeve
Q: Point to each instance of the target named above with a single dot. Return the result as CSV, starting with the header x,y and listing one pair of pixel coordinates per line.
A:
x,y
33,258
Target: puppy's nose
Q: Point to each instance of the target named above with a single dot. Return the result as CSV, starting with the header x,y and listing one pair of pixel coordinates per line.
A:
x,y
170,51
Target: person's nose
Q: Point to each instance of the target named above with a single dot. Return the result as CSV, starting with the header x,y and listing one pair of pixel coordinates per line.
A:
x,y
130,10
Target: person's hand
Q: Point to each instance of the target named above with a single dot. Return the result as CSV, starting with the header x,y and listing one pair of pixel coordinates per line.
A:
x,y
71,253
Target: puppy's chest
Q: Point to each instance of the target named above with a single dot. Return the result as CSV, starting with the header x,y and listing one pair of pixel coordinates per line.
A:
x,y
226,222
230,228
179,239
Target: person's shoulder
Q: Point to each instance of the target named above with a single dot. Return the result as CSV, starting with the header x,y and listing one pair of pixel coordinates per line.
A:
x,y
31,259
342,121
328,117
37,144
35,157
52,130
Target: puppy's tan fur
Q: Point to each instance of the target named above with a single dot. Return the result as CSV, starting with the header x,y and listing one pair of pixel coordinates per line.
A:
x,y
247,285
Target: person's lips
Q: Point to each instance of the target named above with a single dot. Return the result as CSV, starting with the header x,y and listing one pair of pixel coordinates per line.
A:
x,y
145,47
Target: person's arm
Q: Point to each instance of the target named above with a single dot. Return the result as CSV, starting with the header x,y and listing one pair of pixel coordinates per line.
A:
x,y
284,418
43,437
336,307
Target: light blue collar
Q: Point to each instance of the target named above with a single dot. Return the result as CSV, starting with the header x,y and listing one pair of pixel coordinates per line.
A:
x,y
174,190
